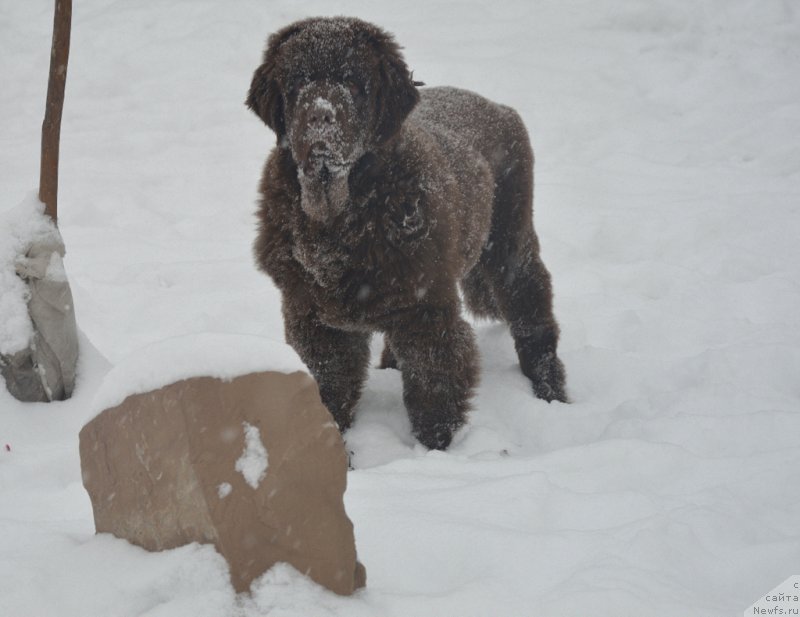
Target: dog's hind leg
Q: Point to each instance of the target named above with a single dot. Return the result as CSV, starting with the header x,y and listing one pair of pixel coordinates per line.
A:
x,y
388,359
520,281
524,291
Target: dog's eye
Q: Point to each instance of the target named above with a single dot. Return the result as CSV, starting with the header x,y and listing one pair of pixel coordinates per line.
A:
x,y
294,87
354,87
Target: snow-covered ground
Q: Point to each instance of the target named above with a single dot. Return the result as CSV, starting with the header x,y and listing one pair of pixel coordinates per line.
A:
x,y
668,204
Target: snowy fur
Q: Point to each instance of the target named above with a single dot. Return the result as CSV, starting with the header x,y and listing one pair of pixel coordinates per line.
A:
x,y
377,202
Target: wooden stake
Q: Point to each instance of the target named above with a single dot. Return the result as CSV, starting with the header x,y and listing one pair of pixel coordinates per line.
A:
x,y
51,127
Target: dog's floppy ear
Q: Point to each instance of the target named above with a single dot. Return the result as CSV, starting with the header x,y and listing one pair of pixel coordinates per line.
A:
x,y
265,99
395,93
264,96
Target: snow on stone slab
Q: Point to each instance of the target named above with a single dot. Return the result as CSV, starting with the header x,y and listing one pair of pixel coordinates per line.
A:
x,y
254,461
20,227
224,356
224,489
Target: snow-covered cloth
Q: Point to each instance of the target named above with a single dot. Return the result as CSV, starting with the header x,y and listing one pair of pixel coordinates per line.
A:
x,y
38,333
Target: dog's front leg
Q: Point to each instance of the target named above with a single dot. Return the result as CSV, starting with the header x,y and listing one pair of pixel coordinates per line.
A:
x,y
338,360
437,355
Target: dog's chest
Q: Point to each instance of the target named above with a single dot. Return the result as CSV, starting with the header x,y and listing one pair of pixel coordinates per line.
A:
x,y
364,268
327,261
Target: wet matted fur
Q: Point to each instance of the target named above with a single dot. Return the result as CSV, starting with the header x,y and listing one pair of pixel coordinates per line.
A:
x,y
377,202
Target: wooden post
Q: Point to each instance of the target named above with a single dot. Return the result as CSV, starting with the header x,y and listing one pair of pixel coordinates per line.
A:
x,y
51,127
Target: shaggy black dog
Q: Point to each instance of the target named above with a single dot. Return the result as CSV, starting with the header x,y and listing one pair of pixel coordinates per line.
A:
x,y
378,200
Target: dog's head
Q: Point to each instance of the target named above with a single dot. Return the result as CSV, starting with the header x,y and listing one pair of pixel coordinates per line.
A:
x,y
331,89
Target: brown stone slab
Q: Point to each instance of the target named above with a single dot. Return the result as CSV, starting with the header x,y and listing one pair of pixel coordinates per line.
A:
x,y
171,467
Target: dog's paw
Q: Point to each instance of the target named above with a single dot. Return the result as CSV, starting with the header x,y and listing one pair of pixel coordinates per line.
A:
x,y
435,437
339,404
548,377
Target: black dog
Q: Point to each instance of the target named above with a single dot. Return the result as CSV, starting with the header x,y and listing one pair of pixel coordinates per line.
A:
x,y
376,203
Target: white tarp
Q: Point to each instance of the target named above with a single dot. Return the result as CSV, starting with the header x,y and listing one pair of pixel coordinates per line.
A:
x,y
45,369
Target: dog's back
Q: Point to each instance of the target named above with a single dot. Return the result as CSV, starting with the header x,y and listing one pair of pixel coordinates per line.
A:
x,y
467,120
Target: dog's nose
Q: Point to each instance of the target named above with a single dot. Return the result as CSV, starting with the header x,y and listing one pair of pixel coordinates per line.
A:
x,y
321,113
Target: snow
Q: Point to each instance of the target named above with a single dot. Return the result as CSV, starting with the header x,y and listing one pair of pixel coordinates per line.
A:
x,y
254,461
172,359
55,269
224,489
324,104
667,203
20,227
